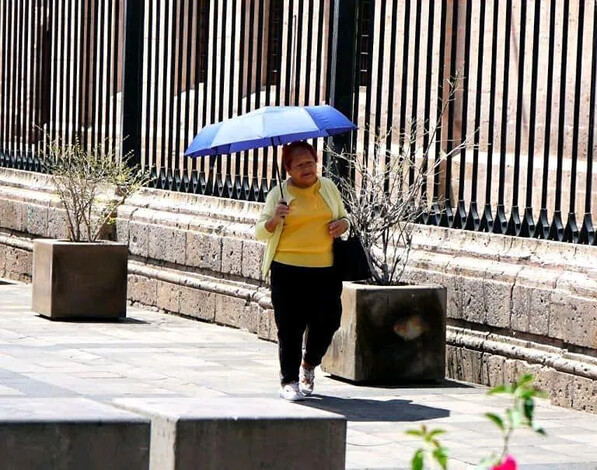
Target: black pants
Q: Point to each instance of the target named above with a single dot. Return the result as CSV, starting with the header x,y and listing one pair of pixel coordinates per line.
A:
x,y
304,298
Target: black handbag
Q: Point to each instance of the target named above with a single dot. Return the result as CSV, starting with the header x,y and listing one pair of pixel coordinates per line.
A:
x,y
350,260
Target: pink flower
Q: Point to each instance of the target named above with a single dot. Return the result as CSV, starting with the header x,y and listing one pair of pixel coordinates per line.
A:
x,y
508,464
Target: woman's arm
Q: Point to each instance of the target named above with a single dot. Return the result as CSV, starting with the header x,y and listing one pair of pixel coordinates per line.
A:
x,y
342,224
270,216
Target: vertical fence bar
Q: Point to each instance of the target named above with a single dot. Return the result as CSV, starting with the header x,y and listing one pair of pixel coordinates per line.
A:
x,y
436,211
319,55
165,175
170,92
473,220
262,188
298,40
133,81
149,161
186,180
253,190
101,77
76,82
70,95
158,176
36,105
501,222
460,214
369,86
19,88
391,79
197,183
380,68
404,77
514,222
228,184
116,65
176,154
357,75
15,87
343,85
239,178
571,232
448,214
108,78
556,230
309,47
424,217
587,232
412,132
279,84
87,109
212,97
527,228
27,86
4,155
543,226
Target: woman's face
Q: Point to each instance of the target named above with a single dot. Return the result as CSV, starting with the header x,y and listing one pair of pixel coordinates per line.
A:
x,y
303,169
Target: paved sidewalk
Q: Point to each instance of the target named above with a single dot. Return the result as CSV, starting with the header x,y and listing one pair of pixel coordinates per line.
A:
x,y
156,355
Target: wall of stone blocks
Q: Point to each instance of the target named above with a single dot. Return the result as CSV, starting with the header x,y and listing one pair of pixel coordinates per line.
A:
x,y
514,305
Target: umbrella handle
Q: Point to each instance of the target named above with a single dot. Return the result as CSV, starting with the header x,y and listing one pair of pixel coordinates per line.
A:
x,y
279,178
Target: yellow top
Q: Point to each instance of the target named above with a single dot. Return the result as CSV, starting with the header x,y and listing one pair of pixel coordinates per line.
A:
x,y
328,191
305,239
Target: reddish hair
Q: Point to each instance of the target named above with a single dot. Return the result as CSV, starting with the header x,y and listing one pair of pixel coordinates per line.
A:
x,y
290,150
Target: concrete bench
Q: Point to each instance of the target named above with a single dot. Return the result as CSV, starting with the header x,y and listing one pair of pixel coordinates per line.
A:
x,y
71,434
240,433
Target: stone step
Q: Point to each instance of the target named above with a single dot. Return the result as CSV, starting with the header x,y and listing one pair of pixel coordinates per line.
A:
x,y
234,433
71,434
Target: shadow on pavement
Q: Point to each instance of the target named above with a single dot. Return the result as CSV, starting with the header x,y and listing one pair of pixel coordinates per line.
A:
x,y
445,383
126,320
362,409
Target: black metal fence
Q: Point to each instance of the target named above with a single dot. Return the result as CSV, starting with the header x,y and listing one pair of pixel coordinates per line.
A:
x,y
61,77
158,71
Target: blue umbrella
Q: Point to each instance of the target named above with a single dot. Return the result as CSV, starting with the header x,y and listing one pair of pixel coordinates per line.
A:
x,y
271,125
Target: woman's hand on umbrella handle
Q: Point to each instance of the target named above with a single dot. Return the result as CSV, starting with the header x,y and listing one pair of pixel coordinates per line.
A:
x,y
279,214
282,209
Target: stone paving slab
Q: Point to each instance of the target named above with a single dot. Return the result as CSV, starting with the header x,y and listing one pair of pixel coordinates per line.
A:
x,y
153,355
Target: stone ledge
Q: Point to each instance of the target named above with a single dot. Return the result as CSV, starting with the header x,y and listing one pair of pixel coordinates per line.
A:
x,y
248,433
71,433
558,359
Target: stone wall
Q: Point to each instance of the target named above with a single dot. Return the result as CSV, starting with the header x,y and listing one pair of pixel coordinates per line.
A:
x,y
514,305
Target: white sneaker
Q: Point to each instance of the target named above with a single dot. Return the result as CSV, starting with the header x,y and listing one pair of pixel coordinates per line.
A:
x,y
291,392
306,380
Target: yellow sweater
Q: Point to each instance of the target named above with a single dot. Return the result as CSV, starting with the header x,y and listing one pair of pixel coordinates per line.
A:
x,y
305,239
328,191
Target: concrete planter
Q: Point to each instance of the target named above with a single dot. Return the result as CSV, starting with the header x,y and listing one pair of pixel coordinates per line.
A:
x,y
79,280
389,334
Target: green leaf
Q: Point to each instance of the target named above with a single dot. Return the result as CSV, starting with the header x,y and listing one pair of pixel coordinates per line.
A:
x,y
441,457
436,432
526,379
500,389
499,422
417,461
414,432
529,408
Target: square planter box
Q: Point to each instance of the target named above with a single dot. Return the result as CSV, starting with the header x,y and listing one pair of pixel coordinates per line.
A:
x,y
79,280
389,334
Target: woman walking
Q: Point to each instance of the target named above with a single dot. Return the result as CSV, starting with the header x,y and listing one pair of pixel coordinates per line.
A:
x,y
305,287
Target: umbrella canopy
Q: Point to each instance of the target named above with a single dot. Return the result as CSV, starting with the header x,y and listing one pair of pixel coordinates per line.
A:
x,y
271,125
